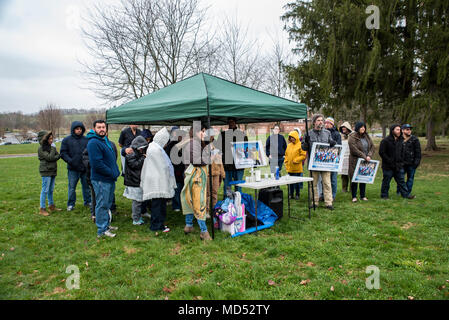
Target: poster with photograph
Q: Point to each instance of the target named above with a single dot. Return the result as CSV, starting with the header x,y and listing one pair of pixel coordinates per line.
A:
x,y
365,171
248,154
323,157
345,165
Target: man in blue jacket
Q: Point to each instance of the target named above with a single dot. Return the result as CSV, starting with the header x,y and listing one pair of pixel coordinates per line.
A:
x,y
72,149
104,174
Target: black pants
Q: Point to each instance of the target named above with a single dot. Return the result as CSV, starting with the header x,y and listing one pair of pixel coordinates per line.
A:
x,y
362,189
398,176
158,214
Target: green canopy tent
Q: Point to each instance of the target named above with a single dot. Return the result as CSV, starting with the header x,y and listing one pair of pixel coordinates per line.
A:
x,y
207,98
202,96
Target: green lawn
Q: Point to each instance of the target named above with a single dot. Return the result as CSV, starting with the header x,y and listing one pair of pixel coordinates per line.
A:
x,y
406,239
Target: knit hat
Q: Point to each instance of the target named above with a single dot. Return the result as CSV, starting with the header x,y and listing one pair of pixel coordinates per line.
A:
x,y
331,120
146,134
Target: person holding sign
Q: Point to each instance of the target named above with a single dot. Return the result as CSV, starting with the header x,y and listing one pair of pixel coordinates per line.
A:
x,y
320,135
360,146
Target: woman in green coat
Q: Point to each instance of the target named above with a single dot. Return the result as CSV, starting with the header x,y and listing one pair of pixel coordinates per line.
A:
x,y
48,157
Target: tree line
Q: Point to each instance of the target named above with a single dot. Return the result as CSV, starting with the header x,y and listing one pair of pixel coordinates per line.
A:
x,y
398,72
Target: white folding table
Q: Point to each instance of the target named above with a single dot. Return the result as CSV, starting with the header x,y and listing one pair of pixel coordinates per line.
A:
x,y
268,183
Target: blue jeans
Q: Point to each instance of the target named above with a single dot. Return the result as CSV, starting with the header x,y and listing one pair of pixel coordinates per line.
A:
x,y
274,163
74,176
334,181
104,195
232,176
410,171
189,222
398,176
176,201
296,186
48,185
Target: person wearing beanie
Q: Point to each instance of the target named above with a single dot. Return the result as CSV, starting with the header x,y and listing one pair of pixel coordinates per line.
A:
x,y
48,169
412,156
158,180
147,135
320,135
345,130
329,124
391,152
360,146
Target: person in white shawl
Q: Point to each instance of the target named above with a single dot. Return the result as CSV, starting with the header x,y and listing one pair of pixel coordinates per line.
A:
x,y
158,180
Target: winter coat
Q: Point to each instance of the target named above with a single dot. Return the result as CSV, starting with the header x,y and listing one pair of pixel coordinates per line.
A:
x,y
134,162
294,155
412,152
72,148
356,150
320,136
48,156
391,152
157,179
86,161
273,141
226,149
102,159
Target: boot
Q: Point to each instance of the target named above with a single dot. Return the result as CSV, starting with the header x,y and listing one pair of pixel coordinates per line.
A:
x,y
188,230
53,208
205,236
43,212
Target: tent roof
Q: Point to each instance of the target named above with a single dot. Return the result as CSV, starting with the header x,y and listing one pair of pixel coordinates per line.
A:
x,y
201,95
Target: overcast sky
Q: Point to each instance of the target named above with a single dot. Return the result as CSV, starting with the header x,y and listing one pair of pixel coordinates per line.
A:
x,y
41,46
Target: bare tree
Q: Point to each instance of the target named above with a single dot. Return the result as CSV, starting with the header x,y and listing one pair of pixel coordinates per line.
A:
x,y
240,56
50,117
141,46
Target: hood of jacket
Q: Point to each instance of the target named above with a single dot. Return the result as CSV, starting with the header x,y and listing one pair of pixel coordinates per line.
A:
x,y
76,124
295,135
392,129
139,142
43,136
345,125
162,137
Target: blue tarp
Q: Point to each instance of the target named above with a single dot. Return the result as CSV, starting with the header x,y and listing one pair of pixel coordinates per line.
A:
x,y
264,214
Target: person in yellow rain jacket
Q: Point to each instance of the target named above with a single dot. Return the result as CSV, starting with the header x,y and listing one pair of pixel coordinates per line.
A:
x,y
294,156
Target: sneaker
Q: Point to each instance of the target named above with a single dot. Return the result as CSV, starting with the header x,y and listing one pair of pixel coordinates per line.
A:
x,y
411,197
331,208
111,228
297,197
166,229
70,208
138,223
354,200
146,214
107,234
365,199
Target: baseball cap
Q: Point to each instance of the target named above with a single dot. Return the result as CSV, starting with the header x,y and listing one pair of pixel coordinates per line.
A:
x,y
406,126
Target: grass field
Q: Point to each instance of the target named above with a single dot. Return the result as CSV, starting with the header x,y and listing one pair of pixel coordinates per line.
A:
x,y
322,258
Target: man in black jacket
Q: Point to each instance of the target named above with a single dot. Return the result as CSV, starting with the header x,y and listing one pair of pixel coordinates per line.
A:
x,y
72,149
412,155
391,152
275,149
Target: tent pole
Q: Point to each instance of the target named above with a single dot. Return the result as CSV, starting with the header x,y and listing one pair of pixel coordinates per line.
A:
x,y
308,154
210,183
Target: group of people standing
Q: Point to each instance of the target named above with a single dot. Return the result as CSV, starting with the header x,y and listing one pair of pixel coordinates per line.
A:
x,y
153,176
